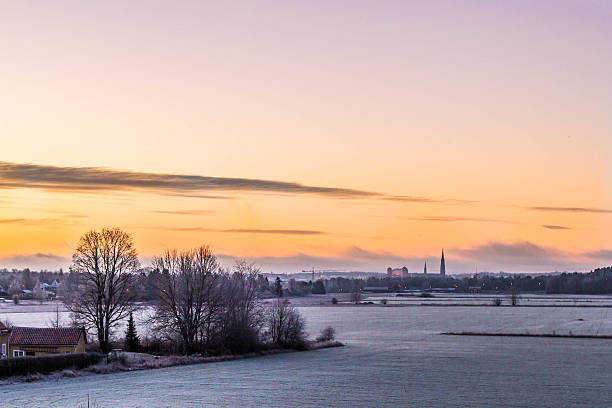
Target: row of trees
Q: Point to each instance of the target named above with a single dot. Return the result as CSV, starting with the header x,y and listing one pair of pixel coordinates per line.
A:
x,y
197,307
599,281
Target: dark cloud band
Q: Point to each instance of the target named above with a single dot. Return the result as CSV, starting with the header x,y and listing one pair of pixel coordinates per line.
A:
x,y
13,175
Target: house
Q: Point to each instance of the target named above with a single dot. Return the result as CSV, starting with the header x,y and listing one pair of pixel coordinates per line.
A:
x,y
37,341
54,285
4,336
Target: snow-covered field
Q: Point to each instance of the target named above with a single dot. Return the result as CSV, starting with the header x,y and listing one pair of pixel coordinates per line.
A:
x,y
394,357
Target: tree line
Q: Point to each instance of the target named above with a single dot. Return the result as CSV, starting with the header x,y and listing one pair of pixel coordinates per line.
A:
x,y
599,281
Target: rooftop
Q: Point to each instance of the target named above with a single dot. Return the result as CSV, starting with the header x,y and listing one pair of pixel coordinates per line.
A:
x,y
38,336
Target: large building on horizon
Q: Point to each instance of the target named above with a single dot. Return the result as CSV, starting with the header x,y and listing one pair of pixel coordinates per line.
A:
x,y
403,272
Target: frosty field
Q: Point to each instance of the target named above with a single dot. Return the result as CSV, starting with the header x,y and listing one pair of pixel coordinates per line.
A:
x,y
394,356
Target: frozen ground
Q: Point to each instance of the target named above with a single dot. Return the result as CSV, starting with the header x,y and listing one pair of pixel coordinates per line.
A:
x,y
394,357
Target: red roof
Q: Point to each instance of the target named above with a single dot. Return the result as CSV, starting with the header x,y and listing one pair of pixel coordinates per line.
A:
x,y
3,328
35,336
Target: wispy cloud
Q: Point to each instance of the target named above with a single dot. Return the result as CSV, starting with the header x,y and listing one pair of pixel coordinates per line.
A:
x,y
14,175
12,220
517,251
572,209
492,256
184,212
240,230
275,231
556,227
417,199
457,219
40,222
35,261
87,179
602,254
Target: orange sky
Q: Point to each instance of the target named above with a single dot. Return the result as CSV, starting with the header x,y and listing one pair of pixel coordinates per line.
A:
x,y
484,129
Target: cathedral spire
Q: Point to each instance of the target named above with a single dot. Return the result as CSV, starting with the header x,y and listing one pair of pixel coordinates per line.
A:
x,y
425,268
442,264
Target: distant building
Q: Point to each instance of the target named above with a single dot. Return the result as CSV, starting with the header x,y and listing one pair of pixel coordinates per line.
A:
x,y
401,272
376,289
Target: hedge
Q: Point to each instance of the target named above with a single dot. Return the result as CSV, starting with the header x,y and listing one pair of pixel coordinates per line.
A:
x,y
46,364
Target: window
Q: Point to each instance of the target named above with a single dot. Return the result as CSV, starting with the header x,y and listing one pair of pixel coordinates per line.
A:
x,y
17,353
3,350
30,353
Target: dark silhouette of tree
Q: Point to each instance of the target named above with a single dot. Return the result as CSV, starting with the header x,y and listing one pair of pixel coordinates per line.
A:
x,y
132,341
106,261
278,287
318,288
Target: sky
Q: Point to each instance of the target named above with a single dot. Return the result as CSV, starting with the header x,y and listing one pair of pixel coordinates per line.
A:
x,y
336,135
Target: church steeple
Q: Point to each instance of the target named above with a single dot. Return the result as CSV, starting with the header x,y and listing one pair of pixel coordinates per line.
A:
x,y
442,265
425,268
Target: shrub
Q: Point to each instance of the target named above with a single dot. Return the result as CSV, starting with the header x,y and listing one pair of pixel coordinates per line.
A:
x,y
384,301
334,301
327,334
46,364
497,301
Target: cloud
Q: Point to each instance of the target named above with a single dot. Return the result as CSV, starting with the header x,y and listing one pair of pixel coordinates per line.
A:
x,y
184,212
274,231
13,175
351,259
518,251
556,227
602,254
42,222
35,261
572,209
240,230
88,179
456,219
12,220
417,199
525,257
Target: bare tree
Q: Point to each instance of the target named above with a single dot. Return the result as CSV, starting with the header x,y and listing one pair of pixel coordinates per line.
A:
x,y
286,325
356,295
188,296
243,317
106,261
55,321
514,298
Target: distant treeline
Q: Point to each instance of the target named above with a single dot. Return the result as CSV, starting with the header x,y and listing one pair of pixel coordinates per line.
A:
x,y
596,282
599,281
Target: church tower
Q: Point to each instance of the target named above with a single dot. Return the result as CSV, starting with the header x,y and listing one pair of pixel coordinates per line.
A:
x,y
425,269
442,265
